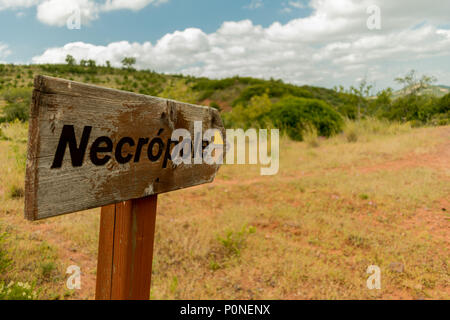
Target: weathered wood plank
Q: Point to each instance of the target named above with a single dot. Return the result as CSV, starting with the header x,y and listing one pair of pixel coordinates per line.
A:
x,y
105,253
60,105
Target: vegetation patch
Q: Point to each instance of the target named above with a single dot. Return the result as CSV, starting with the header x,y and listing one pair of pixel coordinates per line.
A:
x,y
296,115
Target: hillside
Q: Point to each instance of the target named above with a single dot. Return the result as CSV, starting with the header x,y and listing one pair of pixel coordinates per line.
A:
x,y
253,102
223,94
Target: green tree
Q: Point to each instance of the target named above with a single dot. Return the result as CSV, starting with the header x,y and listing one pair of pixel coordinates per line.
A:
x,y
413,106
70,60
412,84
91,63
128,62
362,93
382,104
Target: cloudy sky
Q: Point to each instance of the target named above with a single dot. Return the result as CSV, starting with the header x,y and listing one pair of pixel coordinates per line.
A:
x,y
317,42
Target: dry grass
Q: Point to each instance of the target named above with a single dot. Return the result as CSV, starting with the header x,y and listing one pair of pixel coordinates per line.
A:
x,y
309,232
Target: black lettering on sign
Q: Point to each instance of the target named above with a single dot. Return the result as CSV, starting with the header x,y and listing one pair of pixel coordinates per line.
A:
x,y
119,157
155,157
96,149
102,147
141,143
76,153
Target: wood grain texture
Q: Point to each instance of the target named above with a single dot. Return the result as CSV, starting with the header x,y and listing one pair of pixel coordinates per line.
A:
x,y
114,114
105,253
124,266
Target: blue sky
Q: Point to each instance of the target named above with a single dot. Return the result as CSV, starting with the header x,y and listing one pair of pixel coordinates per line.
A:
x,y
31,37
318,42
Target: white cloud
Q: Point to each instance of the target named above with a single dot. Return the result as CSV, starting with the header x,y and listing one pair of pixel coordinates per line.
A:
x,y
17,4
254,4
296,4
332,45
129,4
4,51
57,12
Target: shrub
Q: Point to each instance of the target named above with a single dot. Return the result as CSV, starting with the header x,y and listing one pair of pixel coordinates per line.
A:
x,y
233,241
413,108
209,85
255,115
294,115
18,104
179,90
444,104
274,89
17,291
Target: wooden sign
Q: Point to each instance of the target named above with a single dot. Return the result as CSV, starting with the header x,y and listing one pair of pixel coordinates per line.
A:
x,y
90,147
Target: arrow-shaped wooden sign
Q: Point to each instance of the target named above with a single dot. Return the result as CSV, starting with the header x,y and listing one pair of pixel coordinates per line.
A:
x,y
91,146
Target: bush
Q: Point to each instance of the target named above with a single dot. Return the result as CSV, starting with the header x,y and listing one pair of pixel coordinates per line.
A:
x,y
233,241
295,115
17,291
440,119
444,104
416,108
255,115
274,89
179,90
18,104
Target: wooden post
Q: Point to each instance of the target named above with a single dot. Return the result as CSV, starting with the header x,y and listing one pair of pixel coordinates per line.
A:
x,y
125,254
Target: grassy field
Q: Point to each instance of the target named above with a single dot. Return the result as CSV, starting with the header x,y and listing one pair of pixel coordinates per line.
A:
x,y
375,195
